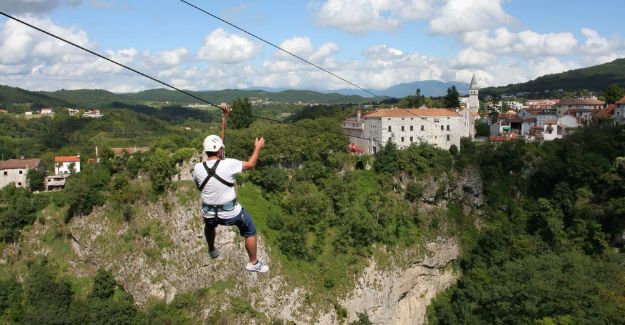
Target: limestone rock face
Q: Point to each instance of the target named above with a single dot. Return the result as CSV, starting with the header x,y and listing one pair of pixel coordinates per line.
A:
x,y
402,296
171,257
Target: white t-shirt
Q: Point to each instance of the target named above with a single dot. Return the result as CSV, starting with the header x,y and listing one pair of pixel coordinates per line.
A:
x,y
215,192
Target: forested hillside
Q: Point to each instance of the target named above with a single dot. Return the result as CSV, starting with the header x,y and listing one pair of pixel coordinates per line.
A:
x,y
596,79
551,248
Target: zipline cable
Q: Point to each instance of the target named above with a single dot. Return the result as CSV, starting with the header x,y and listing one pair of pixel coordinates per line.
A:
x,y
297,56
279,48
173,87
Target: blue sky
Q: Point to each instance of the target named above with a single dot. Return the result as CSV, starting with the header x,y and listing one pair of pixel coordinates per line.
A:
x,y
373,43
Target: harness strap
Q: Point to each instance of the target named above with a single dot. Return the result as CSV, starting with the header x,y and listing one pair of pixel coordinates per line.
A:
x,y
212,173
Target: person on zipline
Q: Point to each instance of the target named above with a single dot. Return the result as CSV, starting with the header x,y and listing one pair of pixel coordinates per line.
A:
x,y
215,180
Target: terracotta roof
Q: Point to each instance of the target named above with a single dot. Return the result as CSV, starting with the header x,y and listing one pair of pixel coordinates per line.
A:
x,y
608,111
580,101
408,112
529,119
621,101
19,163
67,158
3,111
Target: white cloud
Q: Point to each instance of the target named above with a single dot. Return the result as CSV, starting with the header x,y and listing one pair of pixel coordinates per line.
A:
x,y
468,15
166,58
354,16
526,44
20,43
222,47
549,65
300,46
470,57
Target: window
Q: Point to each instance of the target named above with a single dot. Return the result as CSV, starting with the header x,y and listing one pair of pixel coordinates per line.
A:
x,y
402,128
6,173
389,128
402,139
375,149
19,183
410,139
448,137
442,127
390,139
448,129
422,127
411,128
389,118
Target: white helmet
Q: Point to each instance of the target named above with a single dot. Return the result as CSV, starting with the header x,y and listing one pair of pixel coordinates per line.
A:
x,y
213,143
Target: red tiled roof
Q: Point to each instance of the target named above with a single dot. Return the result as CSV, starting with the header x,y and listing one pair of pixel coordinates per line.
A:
x,y
608,111
67,158
621,101
419,112
530,119
19,163
3,111
580,101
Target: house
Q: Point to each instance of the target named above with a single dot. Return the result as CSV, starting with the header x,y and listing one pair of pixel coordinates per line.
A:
x,y
55,182
440,127
3,111
94,113
540,103
560,128
581,108
46,111
546,114
66,164
437,126
72,111
15,171
619,112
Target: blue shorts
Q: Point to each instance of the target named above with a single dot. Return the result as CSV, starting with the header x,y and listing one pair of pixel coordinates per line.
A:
x,y
243,221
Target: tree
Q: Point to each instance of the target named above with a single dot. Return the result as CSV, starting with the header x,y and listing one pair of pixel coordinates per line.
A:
x,y
452,99
614,93
241,114
387,159
160,165
35,179
103,285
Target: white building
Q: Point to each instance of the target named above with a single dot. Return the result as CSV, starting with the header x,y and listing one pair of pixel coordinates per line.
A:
x,y
66,164
46,111
439,127
94,113
619,112
72,111
15,171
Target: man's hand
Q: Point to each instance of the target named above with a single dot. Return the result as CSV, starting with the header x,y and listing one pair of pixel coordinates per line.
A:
x,y
225,109
259,143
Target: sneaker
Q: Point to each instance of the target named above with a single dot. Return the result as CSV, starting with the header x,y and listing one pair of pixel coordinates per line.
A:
x,y
258,267
213,253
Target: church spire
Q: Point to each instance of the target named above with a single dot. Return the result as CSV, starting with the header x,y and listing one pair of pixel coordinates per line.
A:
x,y
473,82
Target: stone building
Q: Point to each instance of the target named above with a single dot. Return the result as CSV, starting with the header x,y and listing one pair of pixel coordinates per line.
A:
x,y
15,171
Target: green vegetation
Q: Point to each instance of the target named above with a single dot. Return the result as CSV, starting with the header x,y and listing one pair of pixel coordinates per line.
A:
x,y
597,78
547,249
552,211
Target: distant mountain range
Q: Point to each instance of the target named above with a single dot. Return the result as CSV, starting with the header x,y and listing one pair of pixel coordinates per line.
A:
x,y
103,98
596,78
432,88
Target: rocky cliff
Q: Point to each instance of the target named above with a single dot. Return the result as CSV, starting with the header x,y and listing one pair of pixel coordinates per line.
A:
x,y
162,253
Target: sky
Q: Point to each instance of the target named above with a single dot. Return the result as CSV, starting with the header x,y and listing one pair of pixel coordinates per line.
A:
x,y
373,43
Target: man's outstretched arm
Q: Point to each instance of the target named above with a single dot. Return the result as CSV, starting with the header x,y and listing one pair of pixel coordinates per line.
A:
x,y
258,146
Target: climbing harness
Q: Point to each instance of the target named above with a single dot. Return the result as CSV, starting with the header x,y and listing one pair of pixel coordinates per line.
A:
x,y
212,172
